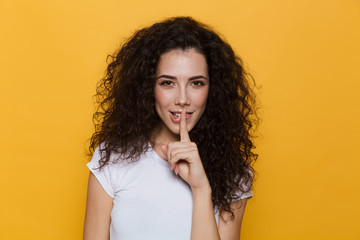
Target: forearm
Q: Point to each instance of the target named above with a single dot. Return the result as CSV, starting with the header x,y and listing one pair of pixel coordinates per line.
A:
x,y
203,218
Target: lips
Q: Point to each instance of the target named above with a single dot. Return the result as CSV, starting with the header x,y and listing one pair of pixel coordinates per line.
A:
x,y
175,116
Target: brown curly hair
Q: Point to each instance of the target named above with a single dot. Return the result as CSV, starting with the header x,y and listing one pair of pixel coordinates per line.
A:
x,y
224,132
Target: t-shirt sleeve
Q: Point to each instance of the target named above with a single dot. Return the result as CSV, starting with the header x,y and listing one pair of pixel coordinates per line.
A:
x,y
245,185
104,175
247,194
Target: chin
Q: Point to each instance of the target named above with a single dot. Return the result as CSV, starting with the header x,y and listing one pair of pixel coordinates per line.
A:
x,y
175,131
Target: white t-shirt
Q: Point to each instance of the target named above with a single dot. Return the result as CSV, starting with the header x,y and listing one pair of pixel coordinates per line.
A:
x,y
150,201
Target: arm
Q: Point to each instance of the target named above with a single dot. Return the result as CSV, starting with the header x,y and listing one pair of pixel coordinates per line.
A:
x,y
98,210
230,230
203,220
184,159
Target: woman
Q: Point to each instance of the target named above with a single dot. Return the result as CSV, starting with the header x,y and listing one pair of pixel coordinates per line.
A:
x,y
172,148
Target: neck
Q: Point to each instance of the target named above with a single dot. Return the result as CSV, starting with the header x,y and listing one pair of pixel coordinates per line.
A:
x,y
162,135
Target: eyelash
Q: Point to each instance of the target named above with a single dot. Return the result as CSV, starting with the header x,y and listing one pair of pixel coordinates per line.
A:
x,y
197,83
166,83
193,83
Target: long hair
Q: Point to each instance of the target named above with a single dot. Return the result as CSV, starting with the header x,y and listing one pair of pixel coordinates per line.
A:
x,y
126,115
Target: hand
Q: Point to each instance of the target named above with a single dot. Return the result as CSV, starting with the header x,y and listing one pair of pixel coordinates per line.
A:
x,y
184,158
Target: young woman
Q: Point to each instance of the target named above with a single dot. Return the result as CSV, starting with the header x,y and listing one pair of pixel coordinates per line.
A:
x,y
172,148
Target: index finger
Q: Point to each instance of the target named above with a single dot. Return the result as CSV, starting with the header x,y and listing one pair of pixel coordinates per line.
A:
x,y
184,134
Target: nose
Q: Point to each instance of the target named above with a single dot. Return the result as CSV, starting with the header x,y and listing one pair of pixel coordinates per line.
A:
x,y
182,98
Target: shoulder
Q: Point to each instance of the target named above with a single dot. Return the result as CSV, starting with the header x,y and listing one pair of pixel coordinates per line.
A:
x,y
117,172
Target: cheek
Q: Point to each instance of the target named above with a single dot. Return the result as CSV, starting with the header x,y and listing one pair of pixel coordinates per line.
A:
x,y
200,99
161,99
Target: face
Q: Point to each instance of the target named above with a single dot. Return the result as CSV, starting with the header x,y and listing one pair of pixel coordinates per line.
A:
x,y
182,82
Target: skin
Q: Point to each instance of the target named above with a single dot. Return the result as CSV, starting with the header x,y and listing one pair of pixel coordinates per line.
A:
x,y
177,89
182,82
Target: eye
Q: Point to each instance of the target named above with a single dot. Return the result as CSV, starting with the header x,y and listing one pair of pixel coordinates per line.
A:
x,y
197,83
166,83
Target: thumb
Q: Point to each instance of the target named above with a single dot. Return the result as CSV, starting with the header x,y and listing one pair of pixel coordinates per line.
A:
x,y
164,149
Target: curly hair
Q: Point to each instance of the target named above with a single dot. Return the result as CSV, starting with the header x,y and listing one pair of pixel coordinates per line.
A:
x,y
224,132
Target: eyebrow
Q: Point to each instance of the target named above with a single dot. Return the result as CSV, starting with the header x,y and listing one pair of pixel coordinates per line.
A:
x,y
174,78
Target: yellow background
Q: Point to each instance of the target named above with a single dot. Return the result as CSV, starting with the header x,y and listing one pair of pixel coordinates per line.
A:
x,y
304,54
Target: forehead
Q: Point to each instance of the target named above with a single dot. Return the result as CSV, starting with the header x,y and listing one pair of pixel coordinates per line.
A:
x,y
179,61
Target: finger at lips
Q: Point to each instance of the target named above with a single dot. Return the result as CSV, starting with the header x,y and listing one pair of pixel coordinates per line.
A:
x,y
184,134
